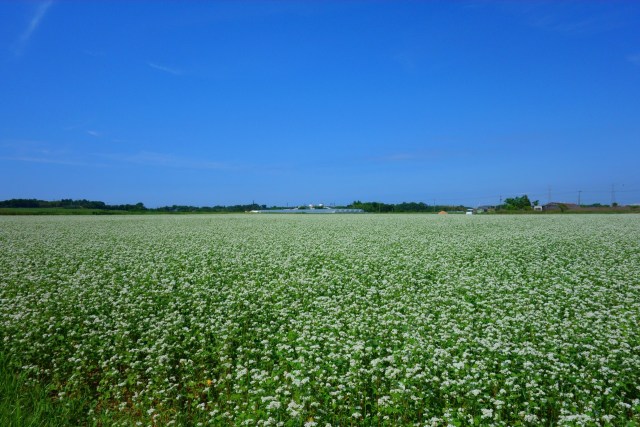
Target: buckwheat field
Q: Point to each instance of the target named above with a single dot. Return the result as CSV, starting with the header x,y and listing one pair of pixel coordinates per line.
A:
x,y
328,320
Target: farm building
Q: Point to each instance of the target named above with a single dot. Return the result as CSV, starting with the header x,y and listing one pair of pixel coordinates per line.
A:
x,y
313,210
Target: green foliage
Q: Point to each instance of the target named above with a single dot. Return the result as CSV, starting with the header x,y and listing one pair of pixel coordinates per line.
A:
x,y
65,206
359,320
404,207
25,402
518,203
372,206
59,211
209,209
68,204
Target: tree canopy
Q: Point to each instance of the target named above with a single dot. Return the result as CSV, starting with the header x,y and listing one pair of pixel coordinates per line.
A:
x,y
518,203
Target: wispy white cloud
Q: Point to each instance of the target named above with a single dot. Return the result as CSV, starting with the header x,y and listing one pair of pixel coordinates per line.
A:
x,y
75,126
148,158
634,58
34,23
398,157
24,145
45,160
555,23
94,133
567,17
40,152
424,155
66,154
407,60
94,53
169,70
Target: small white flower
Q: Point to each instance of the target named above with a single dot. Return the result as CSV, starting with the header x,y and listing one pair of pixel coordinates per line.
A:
x,y
487,413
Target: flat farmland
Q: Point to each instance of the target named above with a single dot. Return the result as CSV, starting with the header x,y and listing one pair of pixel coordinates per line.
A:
x,y
373,320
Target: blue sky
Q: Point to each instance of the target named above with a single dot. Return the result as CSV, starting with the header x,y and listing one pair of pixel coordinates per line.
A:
x,y
282,102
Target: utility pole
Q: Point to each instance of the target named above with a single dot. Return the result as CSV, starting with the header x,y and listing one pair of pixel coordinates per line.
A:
x,y
613,194
549,195
579,191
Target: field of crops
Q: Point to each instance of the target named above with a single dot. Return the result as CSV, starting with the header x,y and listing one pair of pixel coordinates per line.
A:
x,y
328,320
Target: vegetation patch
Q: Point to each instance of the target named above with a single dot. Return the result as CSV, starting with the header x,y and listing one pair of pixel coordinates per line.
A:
x,y
321,320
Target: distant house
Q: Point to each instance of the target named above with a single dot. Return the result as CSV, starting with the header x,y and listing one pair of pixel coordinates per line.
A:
x,y
537,208
559,206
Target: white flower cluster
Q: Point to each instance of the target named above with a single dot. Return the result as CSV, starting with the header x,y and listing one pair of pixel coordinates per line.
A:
x,y
328,320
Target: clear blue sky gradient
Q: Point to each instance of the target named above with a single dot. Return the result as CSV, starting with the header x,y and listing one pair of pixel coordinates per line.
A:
x,y
281,102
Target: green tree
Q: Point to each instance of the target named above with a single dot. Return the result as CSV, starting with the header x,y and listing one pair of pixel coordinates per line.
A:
x,y
518,203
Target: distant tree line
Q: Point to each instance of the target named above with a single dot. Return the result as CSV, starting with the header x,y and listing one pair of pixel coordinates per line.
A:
x,y
404,207
213,209
69,204
139,207
520,203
